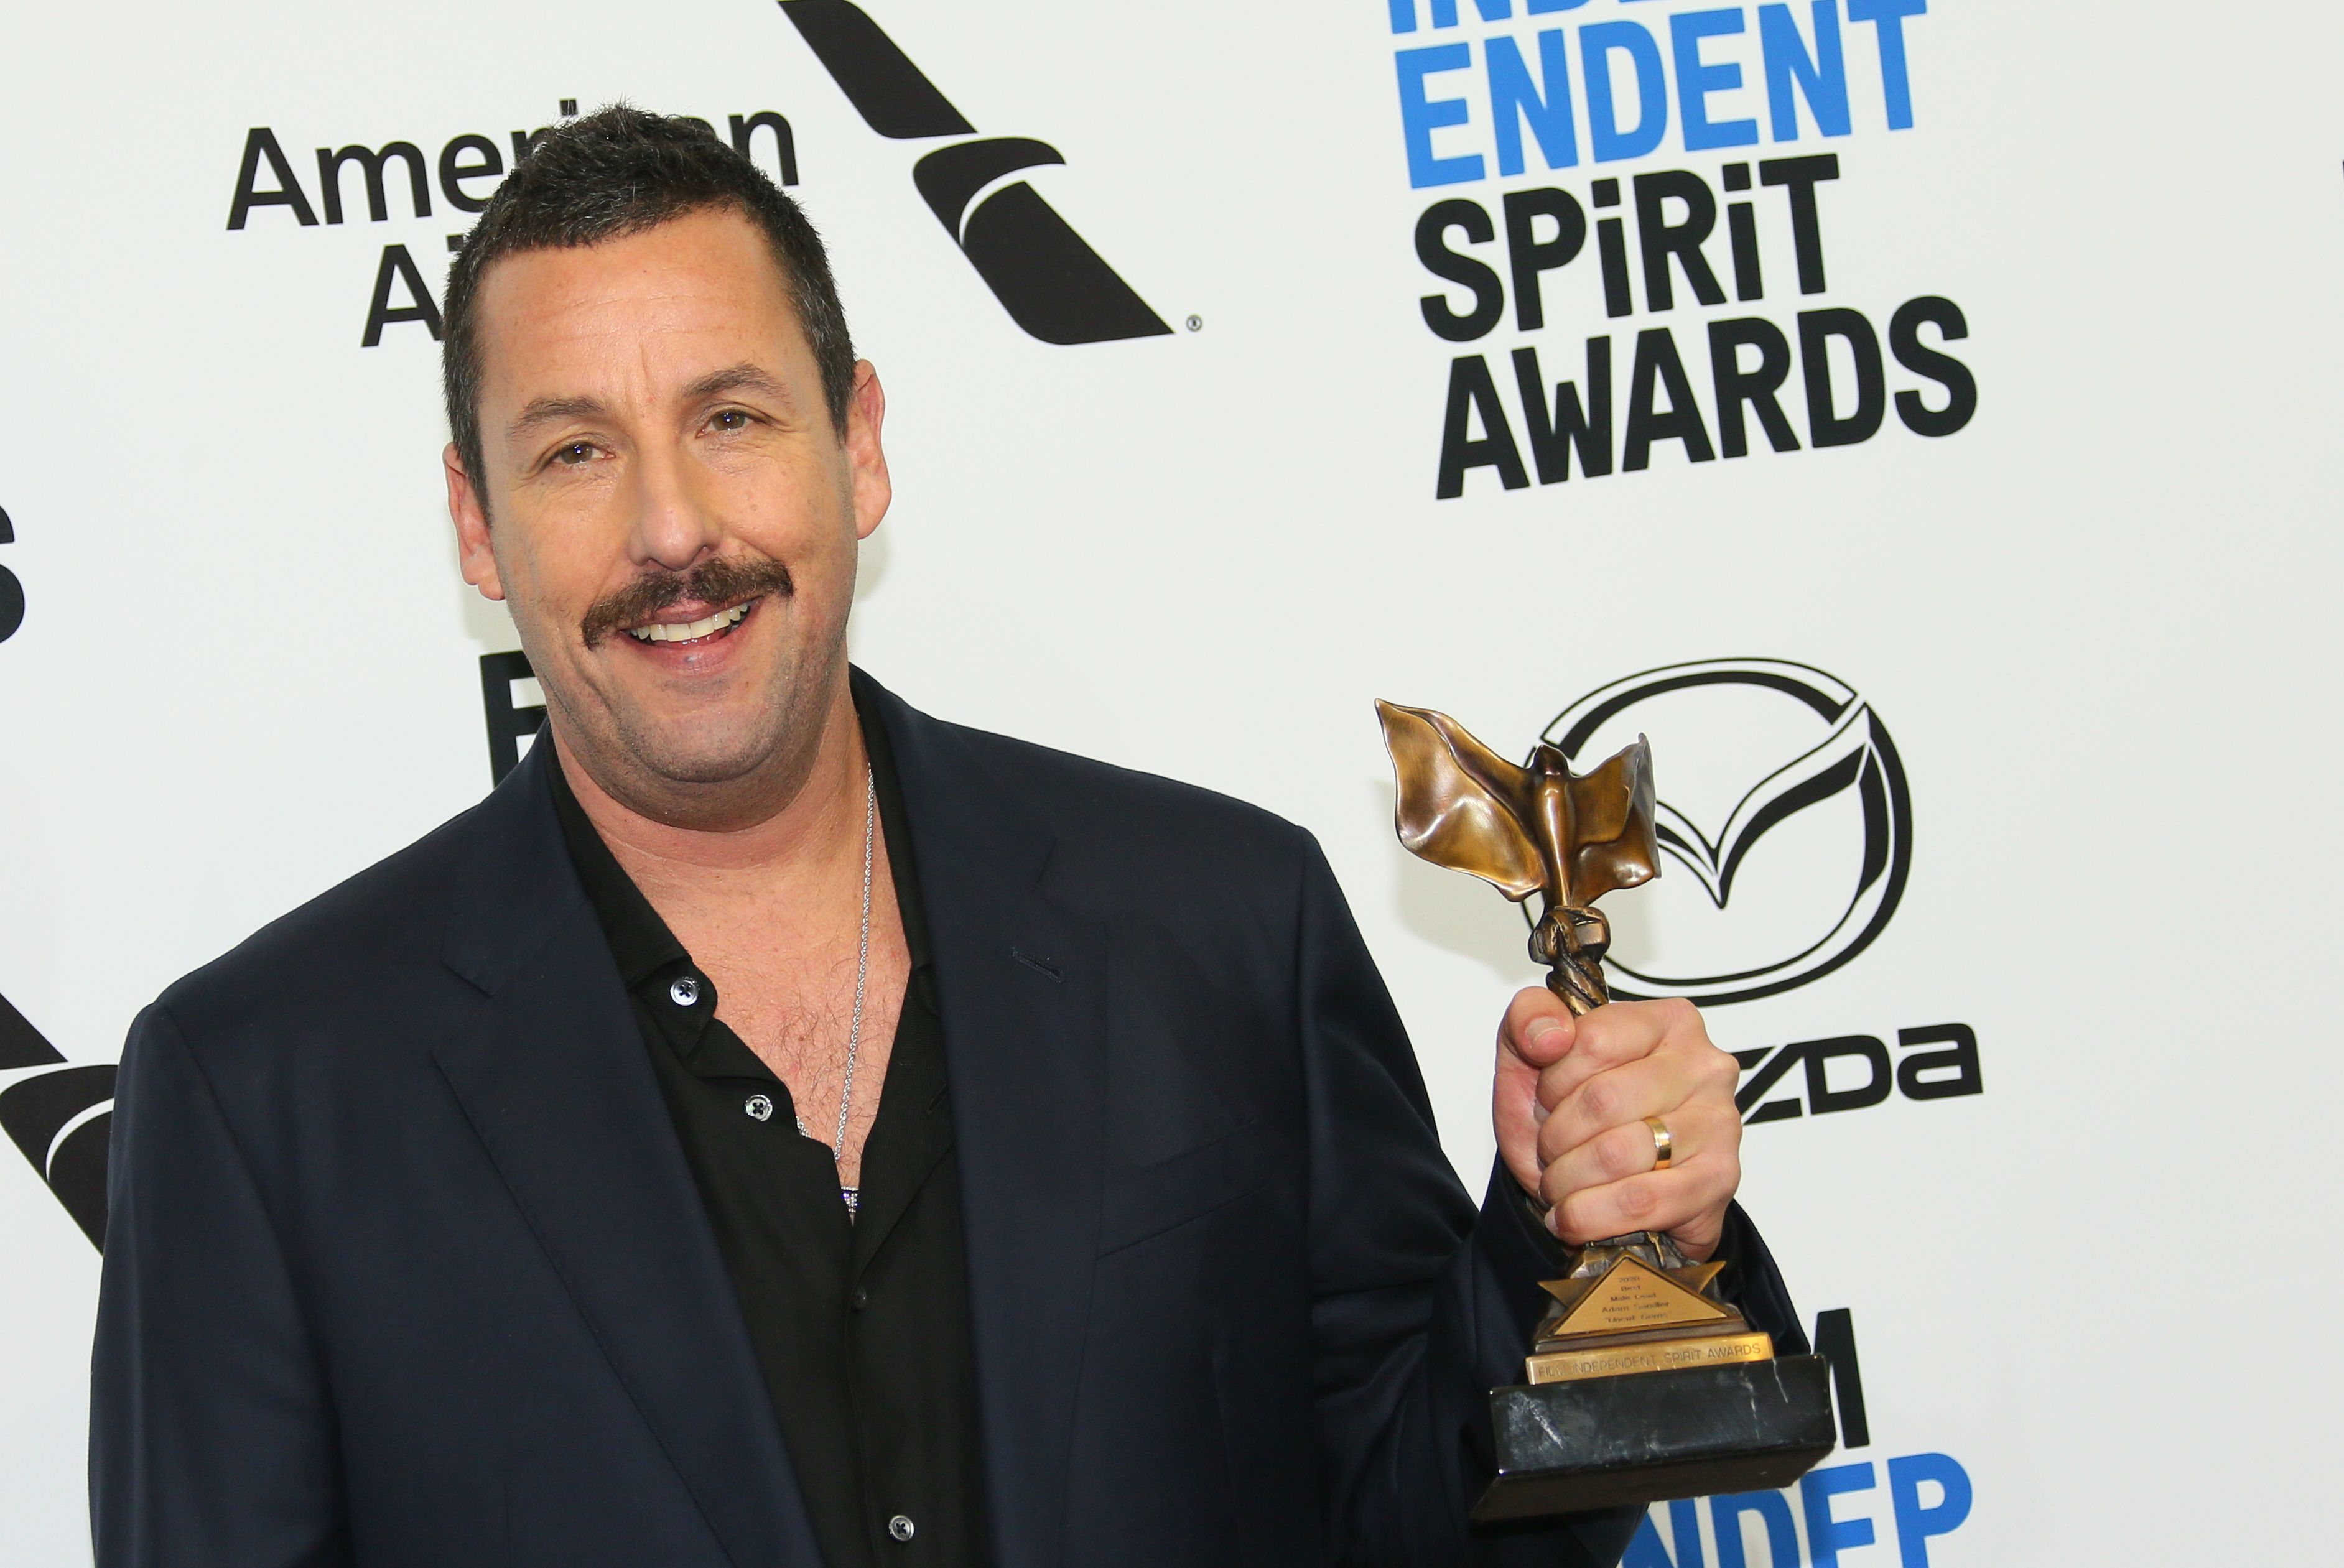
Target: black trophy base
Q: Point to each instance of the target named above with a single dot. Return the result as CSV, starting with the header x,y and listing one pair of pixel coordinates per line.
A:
x,y
1647,1437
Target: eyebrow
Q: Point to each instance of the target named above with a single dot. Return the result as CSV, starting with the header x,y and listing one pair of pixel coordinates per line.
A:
x,y
550,410
744,376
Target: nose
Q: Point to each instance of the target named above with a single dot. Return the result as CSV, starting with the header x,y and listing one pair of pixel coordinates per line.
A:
x,y
675,524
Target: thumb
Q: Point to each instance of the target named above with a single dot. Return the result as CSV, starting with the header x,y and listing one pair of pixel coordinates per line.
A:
x,y
1539,1028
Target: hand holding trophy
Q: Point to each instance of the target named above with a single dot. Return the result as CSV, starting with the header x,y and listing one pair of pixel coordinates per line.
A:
x,y
1643,1383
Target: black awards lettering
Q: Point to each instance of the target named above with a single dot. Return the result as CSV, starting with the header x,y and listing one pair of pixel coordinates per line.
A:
x,y
1609,401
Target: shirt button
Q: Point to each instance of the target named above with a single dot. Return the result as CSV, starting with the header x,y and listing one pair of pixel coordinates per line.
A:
x,y
759,1107
861,1299
685,991
901,1527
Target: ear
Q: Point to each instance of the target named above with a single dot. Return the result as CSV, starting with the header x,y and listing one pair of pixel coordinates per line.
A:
x,y
474,549
866,411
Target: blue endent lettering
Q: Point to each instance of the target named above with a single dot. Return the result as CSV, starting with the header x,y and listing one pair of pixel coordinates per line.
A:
x,y
1421,114
1827,1537
1792,72
1514,97
1644,1548
1697,79
1887,19
1598,42
1444,12
1726,1514
1624,83
1684,1524
1916,1520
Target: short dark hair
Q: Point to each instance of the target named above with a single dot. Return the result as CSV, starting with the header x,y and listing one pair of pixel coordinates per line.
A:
x,y
613,173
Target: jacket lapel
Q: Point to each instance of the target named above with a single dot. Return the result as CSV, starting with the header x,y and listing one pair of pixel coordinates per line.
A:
x,y
1022,987
555,1082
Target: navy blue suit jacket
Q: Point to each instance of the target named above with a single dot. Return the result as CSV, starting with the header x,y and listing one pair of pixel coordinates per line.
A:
x,y
405,1266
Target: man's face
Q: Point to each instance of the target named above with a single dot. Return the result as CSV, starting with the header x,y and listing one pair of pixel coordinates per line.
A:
x,y
675,516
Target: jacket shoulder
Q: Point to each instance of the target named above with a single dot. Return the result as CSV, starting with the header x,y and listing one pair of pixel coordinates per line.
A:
x,y
343,943
1102,807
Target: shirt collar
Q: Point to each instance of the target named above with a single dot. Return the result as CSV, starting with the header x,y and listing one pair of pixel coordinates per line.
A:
x,y
641,943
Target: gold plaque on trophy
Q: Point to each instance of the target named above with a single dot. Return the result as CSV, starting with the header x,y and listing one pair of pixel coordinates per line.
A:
x,y
1638,1318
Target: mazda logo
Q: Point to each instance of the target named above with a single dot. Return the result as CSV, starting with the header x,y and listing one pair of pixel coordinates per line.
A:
x,y
1783,800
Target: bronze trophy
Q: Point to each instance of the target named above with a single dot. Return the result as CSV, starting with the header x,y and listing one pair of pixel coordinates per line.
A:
x,y
1642,1382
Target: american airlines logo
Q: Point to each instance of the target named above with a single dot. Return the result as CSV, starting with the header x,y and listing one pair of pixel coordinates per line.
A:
x,y
60,1115
1048,279
1045,276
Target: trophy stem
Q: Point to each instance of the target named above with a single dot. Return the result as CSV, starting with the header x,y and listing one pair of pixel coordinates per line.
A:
x,y
1571,942
1581,987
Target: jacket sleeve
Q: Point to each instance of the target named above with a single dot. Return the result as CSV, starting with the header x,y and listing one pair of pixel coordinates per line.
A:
x,y
211,1436
1421,1303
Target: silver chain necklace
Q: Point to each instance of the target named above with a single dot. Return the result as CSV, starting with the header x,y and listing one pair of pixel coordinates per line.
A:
x,y
861,978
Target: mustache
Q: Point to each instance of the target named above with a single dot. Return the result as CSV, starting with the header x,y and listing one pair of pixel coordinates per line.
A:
x,y
722,581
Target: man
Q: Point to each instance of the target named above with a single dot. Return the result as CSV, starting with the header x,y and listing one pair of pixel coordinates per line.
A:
x,y
776,1126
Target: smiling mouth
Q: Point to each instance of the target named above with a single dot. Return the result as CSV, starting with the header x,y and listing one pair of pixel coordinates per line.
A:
x,y
707,628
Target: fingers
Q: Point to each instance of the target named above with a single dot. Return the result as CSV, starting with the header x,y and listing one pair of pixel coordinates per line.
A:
x,y
1535,1032
1622,1097
1611,1035
1596,1157
1687,1200
1537,1027
1619,1152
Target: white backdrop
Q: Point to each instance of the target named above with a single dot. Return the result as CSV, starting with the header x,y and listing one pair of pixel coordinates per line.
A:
x,y
2096,620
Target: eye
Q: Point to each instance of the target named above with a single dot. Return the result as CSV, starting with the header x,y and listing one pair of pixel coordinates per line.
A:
x,y
730,419
574,453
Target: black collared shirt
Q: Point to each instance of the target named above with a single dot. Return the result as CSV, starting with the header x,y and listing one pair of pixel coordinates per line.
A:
x,y
860,1324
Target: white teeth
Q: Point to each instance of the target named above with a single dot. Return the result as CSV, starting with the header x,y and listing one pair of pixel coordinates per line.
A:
x,y
706,626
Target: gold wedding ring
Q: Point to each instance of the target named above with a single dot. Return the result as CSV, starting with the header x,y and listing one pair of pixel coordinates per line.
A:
x,y
1664,1145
